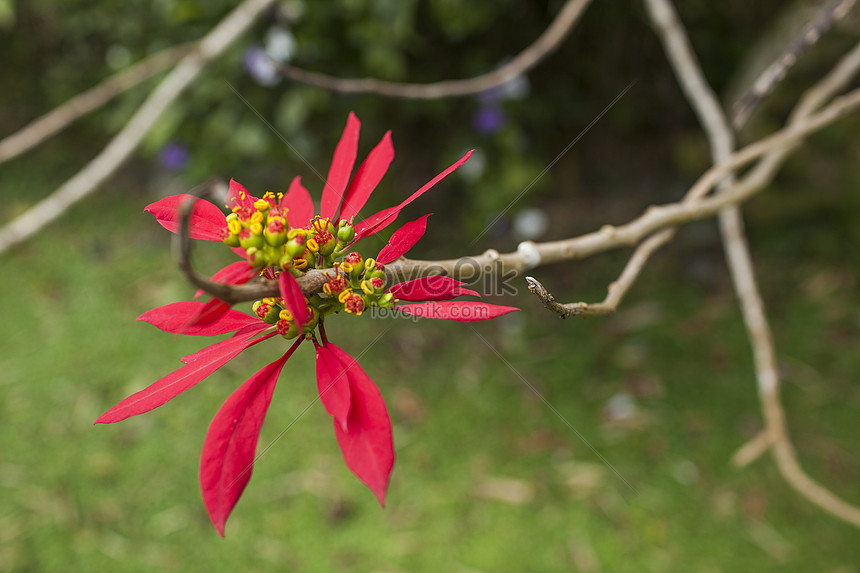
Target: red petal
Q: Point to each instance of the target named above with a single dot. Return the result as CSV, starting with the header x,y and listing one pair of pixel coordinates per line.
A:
x,y
379,221
175,318
207,222
236,273
367,177
294,300
178,381
430,288
211,311
227,460
403,239
238,196
299,204
459,310
333,386
367,446
243,333
341,168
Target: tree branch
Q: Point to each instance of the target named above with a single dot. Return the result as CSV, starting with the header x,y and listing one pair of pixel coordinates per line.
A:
x,y
61,117
126,141
548,42
741,268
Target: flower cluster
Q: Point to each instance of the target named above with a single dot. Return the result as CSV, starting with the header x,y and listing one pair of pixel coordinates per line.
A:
x,y
280,238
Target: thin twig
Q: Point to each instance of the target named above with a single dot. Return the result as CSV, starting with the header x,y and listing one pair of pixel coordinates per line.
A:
x,y
616,290
524,61
775,72
61,117
752,450
126,141
715,123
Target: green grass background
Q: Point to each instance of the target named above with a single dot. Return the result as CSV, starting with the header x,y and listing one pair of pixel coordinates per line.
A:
x,y
488,478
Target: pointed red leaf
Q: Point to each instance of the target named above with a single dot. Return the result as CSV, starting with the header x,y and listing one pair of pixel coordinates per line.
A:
x,y
236,273
459,310
298,202
206,222
382,219
368,176
333,386
211,311
227,460
402,240
244,333
341,168
175,318
367,445
180,380
238,196
430,288
294,300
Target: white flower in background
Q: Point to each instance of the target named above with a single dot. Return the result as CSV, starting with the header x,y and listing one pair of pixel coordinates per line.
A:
x,y
280,44
261,62
530,224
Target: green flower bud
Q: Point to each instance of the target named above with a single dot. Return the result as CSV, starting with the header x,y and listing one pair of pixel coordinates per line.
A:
x,y
295,247
287,329
268,313
354,264
346,233
275,232
256,257
327,246
247,239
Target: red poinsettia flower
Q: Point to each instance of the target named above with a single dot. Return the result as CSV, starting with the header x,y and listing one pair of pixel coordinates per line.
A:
x,y
280,238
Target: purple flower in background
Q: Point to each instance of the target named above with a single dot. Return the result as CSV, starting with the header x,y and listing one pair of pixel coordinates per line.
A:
x,y
488,119
258,65
173,156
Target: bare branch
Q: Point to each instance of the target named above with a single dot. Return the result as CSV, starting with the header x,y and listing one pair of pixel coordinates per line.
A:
x,y
615,292
524,61
752,450
705,103
61,117
775,72
126,141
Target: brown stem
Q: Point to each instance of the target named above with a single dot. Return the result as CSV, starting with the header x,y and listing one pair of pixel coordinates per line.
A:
x,y
524,61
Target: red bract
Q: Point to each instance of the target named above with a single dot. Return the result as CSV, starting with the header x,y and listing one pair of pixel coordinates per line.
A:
x,y
402,240
280,238
430,288
227,459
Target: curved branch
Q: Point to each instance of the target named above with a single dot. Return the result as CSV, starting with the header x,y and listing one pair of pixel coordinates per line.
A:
x,y
524,61
61,117
126,141
742,271
616,291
